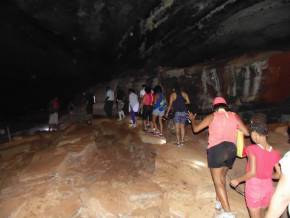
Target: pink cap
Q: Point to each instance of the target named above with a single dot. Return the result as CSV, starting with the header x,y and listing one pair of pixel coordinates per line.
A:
x,y
219,100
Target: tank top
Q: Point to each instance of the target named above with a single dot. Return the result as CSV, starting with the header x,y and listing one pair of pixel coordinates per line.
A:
x,y
148,99
160,103
223,128
179,103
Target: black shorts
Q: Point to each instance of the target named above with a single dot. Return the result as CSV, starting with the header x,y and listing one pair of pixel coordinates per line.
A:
x,y
147,112
222,155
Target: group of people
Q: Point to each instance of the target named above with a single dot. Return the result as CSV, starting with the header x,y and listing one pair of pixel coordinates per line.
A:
x,y
262,163
152,105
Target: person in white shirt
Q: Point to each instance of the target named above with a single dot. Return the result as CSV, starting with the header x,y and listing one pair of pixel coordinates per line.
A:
x,y
133,106
281,197
142,92
109,101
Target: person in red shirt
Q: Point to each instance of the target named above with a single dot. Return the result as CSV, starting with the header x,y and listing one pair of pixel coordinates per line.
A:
x,y
53,114
147,108
222,127
262,160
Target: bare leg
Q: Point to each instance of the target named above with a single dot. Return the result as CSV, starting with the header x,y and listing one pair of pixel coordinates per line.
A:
x,y
255,212
218,177
182,129
177,128
161,124
154,118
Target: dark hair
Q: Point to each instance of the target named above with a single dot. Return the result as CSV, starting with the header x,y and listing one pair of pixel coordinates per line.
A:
x,y
177,89
147,89
144,85
259,117
131,90
157,89
259,127
216,107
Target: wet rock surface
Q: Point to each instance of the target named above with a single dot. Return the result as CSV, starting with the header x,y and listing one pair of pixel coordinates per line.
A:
x,y
109,170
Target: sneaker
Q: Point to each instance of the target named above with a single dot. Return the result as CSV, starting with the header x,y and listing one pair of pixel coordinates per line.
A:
x,y
226,215
218,205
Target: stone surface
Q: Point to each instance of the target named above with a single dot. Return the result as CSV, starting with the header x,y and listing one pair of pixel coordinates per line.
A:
x,y
105,170
164,32
257,82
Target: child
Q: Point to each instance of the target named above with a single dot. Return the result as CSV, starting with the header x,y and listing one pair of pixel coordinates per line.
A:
x,y
120,106
262,159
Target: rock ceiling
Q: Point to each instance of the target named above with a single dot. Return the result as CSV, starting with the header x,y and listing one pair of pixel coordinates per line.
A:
x,y
132,32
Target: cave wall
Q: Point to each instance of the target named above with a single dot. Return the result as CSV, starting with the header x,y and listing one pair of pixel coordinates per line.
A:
x,y
248,80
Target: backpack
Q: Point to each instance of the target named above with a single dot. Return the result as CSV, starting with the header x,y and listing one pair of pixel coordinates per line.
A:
x,y
162,103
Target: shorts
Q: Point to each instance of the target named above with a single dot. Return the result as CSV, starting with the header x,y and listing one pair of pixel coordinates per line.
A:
x,y
147,112
258,192
222,155
158,113
179,117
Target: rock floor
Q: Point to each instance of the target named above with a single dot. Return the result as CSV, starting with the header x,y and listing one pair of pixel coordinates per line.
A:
x,y
108,170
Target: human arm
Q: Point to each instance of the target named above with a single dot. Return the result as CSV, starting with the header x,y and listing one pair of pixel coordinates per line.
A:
x,y
250,174
242,126
186,98
107,95
142,103
280,199
171,99
277,173
202,125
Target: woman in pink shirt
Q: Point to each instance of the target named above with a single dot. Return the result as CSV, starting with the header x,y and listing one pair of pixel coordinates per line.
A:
x,y
262,159
221,151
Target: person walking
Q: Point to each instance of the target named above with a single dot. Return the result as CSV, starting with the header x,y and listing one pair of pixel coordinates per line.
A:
x,y
159,108
262,160
54,106
178,101
146,108
133,107
120,107
221,150
109,102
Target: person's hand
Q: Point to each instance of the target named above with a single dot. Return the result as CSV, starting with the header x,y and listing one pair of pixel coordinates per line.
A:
x,y
234,183
192,116
166,114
